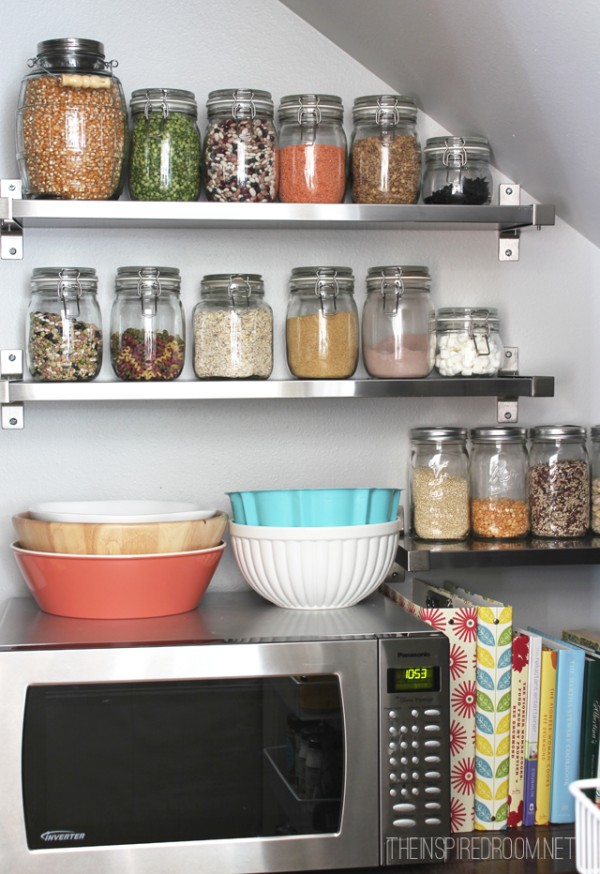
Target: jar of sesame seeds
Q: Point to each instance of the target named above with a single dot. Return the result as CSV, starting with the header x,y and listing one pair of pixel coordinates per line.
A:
x,y
439,483
71,123
240,147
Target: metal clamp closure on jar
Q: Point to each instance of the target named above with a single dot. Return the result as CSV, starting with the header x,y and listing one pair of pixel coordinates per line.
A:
x,y
67,278
392,282
309,110
148,284
163,100
240,103
64,59
477,324
386,110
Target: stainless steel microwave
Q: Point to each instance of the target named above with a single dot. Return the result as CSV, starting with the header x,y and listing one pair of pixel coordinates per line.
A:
x,y
238,738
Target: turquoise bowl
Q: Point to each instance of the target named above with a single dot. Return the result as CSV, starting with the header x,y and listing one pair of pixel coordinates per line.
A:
x,y
314,508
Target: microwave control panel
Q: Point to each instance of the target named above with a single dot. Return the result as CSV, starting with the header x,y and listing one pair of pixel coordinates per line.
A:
x,y
414,743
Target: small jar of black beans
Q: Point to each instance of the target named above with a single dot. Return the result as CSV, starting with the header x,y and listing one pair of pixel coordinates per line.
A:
x,y
457,170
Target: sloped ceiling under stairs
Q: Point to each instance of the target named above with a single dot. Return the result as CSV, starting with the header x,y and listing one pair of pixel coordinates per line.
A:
x,y
524,73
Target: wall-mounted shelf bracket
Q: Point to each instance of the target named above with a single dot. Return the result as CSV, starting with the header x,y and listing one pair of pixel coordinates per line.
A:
x,y
509,238
11,367
11,232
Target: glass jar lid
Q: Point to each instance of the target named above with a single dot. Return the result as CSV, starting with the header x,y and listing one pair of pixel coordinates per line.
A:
x,y
554,433
232,287
147,281
164,100
438,435
70,53
240,102
385,109
457,149
468,319
322,281
509,434
595,432
400,277
310,108
64,280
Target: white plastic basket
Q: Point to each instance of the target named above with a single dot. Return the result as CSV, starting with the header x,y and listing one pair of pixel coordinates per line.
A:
x,y
587,825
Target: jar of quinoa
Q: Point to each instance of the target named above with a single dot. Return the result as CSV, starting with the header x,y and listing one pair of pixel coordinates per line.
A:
x,y
498,474
322,327
559,481
385,150
64,327
71,123
240,147
165,145
439,483
147,331
312,149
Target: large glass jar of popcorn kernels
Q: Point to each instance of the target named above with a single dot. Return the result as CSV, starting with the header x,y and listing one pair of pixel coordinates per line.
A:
x,y
71,123
468,342
240,147
439,483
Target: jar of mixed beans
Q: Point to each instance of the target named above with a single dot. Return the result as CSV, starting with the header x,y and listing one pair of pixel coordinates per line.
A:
x,y
147,331
233,328
165,145
559,481
439,483
312,149
240,147
398,323
71,123
64,327
457,170
498,481
322,327
385,150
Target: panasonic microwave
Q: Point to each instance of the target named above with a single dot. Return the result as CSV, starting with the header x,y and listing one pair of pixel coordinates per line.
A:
x,y
240,738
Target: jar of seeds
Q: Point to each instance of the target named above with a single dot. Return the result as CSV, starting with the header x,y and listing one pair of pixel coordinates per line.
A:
x,y
147,324
71,123
64,329
439,483
457,170
385,150
240,147
233,328
595,478
498,480
165,145
559,481
322,328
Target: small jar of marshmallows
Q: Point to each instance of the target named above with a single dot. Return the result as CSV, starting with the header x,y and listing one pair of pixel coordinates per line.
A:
x,y
468,342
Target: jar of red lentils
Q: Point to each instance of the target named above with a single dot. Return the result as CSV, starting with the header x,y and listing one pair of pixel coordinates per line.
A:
x,y
71,123
312,149
498,473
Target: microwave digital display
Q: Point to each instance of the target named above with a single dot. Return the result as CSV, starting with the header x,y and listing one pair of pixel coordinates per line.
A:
x,y
416,678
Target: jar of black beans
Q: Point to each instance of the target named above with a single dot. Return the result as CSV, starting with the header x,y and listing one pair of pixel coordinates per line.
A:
x,y
559,481
457,170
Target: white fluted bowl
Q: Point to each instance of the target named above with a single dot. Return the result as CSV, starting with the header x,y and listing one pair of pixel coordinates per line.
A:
x,y
315,568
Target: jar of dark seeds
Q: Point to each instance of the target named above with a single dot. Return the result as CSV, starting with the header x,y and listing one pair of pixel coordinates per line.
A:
x,y
385,150
559,481
165,145
233,328
595,474
240,147
457,170
439,483
64,330
147,331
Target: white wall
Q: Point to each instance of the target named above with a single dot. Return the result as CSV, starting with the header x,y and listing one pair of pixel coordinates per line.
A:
x,y
193,451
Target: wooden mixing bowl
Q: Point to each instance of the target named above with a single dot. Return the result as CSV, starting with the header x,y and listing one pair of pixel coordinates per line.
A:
x,y
131,538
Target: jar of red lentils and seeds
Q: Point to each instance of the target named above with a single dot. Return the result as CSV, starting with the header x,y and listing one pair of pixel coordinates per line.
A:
x,y
385,150
147,331
64,327
559,481
312,149
240,147
498,481
71,123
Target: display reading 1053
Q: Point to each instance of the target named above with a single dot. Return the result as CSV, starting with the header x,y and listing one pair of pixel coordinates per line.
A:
x,y
416,678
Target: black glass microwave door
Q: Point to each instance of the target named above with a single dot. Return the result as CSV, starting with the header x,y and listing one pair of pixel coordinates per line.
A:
x,y
121,763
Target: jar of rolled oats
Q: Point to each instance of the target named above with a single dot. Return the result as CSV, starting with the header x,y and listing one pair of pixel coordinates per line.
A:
x,y
71,123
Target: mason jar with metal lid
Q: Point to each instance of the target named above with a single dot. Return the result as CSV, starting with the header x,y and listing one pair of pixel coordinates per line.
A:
x,y
147,333
457,170
322,328
439,483
71,123
398,322
312,149
595,478
240,147
498,480
165,145
385,150
64,327
468,342
559,481
233,328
